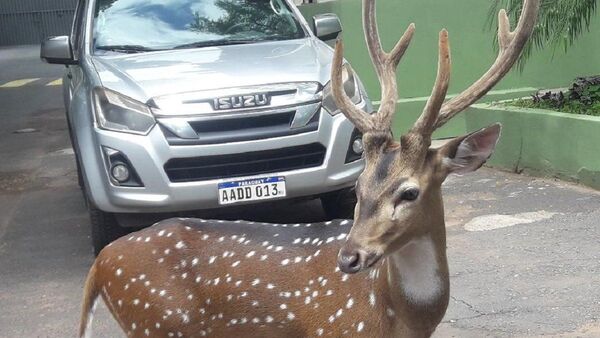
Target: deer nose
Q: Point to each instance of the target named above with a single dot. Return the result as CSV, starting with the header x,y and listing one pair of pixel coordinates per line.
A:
x,y
349,261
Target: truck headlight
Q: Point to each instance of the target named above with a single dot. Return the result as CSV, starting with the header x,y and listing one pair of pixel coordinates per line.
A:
x,y
117,112
350,86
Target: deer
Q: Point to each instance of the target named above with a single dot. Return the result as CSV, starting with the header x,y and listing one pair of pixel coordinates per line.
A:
x,y
383,274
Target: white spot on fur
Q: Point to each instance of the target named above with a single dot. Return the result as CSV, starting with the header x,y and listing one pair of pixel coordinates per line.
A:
x,y
372,298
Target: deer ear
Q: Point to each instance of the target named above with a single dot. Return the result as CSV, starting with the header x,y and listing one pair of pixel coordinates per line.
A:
x,y
468,153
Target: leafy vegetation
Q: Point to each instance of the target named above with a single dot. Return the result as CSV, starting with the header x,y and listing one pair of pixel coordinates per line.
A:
x,y
583,97
559,25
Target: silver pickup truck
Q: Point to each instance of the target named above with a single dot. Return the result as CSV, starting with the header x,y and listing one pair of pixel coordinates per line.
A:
x,y
185,105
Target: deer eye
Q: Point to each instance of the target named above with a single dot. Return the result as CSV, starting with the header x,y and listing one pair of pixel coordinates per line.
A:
x,y
409,194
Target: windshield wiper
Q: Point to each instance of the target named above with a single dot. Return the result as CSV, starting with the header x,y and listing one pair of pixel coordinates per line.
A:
x,y
212,43
127,48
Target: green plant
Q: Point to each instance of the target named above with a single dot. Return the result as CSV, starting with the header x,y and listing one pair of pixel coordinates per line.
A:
x,y
586,90
560,22
582,97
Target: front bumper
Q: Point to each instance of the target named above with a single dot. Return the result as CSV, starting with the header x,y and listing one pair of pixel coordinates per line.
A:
x,y
148,155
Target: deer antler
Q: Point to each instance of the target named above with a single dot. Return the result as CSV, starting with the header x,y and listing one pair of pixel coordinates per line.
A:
x,y
385,67
358,117
511,45
436,113
425,124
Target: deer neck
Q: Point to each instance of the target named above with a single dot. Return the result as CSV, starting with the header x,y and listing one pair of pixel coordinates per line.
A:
x,y
417,281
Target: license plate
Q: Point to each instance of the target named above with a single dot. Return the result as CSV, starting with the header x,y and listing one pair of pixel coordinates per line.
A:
x,y
255,189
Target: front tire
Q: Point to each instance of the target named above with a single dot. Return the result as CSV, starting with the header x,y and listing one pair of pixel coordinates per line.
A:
x,y
105,228
339,204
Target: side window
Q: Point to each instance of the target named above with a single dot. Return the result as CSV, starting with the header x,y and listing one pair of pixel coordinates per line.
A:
x,y
77,29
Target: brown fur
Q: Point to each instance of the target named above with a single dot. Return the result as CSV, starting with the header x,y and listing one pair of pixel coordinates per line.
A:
x,y
176,272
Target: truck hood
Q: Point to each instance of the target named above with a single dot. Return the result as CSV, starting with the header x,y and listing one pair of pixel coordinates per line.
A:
x,y
147,75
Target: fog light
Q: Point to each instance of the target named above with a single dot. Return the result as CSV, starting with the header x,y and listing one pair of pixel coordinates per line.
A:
x,y
120,172
357,146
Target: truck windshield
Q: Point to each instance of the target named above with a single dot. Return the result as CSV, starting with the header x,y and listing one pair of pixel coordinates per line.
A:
x,y
134,26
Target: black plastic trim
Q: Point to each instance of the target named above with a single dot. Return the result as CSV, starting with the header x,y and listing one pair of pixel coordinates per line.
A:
x,y
351,156
245,164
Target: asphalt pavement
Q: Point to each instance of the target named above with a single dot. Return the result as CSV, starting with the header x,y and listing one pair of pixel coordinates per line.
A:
x,y
524,252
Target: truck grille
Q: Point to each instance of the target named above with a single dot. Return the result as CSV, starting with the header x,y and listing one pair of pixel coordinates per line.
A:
x,y
246,164
235,125
219,130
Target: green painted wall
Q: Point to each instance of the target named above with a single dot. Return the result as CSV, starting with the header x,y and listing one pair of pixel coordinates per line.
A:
x,y
472,51
542,142
471,42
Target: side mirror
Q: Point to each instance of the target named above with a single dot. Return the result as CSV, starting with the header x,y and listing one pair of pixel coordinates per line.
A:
x,y
327,26
57,50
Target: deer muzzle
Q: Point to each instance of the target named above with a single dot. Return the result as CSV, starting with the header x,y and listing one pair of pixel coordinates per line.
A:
x,y
352,259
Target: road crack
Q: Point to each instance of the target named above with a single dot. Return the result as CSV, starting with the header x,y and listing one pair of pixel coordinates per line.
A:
x,y
471,307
